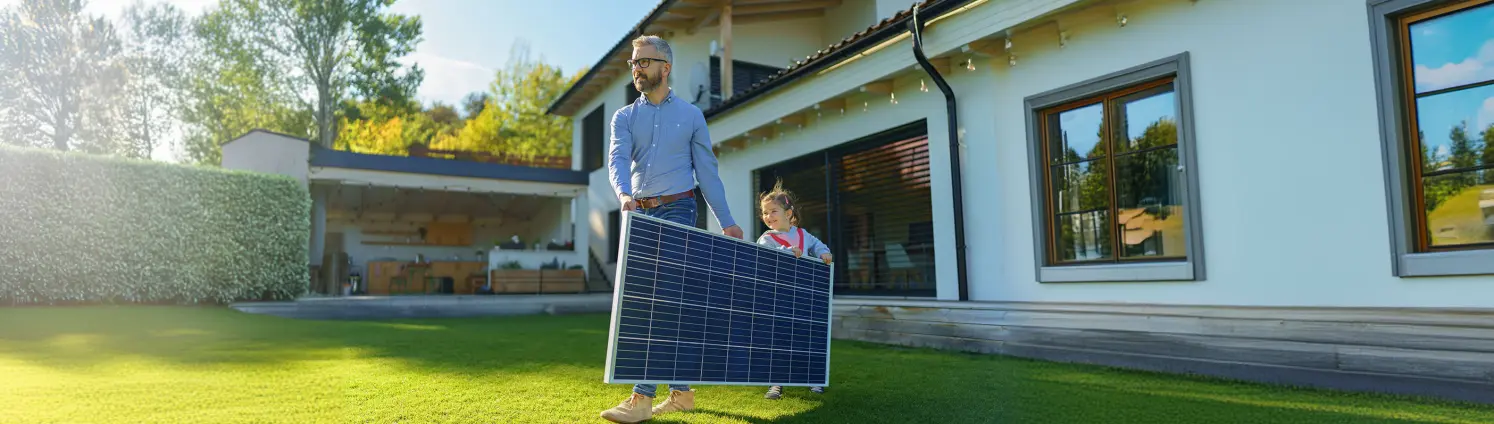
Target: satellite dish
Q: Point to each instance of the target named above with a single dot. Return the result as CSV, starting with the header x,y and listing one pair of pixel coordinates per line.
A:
x,y
700,85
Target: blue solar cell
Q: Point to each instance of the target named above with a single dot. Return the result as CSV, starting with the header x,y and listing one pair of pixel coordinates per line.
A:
x,y
696,307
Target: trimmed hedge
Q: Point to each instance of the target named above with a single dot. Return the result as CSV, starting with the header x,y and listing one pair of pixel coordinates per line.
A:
x,y
76,228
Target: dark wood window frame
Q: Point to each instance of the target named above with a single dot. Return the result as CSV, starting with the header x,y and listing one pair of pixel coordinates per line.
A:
x,y
835,206
1412,255
1173,71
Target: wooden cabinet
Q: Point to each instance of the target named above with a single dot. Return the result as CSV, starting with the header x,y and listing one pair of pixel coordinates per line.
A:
x,y
520,281
381,274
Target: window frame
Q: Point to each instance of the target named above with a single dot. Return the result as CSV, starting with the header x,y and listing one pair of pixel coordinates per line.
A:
x,y
1141,77
834,219
1412,256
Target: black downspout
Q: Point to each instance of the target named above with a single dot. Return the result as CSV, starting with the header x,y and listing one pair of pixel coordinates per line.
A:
x,y
916,27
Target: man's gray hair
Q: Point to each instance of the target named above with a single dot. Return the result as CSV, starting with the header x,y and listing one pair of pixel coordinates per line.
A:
x,y
658,43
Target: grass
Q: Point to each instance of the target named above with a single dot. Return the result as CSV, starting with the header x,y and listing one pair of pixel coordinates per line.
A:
x,y
1459,220
174,364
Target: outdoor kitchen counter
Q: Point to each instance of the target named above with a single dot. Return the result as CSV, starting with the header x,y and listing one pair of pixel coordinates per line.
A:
x,y
381,274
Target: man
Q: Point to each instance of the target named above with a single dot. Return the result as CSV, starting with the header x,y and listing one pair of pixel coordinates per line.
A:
x,y
660,148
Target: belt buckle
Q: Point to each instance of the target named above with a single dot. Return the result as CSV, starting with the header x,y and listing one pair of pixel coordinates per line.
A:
x,y
648,203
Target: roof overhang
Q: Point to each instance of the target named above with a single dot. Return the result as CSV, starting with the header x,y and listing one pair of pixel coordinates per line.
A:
x,y
340,167
669,17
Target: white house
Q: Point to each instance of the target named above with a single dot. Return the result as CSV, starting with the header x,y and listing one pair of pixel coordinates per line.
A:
x,y
1278,190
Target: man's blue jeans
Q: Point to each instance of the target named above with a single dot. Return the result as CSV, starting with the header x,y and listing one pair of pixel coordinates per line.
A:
x,y
680,211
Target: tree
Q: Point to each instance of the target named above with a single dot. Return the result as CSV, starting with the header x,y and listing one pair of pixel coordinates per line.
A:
x,y
234,87
1463,155
376,127
513,119
332,49
473,104
156,46
444,114
57,64
1488,156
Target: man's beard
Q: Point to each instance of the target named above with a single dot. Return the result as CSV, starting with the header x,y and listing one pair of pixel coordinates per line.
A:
x,y
646,83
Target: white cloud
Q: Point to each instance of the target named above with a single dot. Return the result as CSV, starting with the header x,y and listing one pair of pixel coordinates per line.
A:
x,y
1485,116
448,80
1479,67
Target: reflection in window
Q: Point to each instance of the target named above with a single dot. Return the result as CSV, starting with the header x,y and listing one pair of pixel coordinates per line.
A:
x,y
1113,178
1451,58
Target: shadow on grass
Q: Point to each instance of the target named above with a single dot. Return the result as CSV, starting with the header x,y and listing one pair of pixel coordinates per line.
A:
x,y
79,337
551,370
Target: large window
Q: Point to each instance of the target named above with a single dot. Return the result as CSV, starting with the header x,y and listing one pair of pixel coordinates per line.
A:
x,y
594,140
1113,189
869,200
1436,87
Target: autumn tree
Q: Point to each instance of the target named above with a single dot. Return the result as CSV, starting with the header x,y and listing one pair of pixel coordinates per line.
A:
x,y
513,120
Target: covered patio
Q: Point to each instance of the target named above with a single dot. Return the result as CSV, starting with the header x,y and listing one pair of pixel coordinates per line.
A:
x,y
397,225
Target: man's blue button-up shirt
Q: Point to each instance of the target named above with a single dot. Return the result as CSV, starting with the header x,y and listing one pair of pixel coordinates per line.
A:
x,y
664,149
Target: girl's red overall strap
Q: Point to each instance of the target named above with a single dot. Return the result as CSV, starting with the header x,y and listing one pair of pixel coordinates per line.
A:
x,y
785,243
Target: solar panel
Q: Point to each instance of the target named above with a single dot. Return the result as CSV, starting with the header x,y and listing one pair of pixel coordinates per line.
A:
x,y
694,307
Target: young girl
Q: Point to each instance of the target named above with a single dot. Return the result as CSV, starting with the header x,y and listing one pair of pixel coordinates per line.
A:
x,y
784,233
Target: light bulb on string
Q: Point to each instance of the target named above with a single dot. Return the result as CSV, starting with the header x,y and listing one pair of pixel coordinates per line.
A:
x,y
892,98
922,87
970,63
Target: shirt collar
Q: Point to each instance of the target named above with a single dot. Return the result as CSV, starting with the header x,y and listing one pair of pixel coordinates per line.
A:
x,y
643,97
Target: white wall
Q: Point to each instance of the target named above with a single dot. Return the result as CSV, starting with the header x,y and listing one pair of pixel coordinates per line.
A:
x,y
1270,111
848,18
269,153
775,44
887,8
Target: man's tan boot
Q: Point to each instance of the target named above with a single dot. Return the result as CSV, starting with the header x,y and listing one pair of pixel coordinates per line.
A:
x,y
634,409
678,401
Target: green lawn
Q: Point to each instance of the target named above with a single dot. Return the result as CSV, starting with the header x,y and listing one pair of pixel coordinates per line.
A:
x,y
213,365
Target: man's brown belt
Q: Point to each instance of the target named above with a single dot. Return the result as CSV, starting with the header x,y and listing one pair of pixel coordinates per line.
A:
x,y
654,202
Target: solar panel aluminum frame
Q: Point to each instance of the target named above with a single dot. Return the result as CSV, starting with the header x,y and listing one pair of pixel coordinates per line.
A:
x,y
617,290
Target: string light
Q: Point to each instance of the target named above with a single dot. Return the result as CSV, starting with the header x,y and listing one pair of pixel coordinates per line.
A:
x,y
1063,39
970,63
922,87
893,98
1121,18
1011,60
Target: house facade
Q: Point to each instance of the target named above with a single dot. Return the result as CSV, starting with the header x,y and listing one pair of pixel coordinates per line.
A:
x,y
1281,191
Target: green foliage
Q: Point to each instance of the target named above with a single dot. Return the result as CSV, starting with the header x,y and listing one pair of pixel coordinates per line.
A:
x,y
233,89
290,65
61,73
512,119
82,228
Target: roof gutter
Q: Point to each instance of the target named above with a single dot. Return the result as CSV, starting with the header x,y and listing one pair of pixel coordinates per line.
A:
x,y
915,26
637,31
857,47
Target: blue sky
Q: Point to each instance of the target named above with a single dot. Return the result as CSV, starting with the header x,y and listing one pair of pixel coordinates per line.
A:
x,y
1447,52
467,40
1083,124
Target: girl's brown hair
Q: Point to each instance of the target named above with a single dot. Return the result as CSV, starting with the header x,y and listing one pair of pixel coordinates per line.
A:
x,y
783,198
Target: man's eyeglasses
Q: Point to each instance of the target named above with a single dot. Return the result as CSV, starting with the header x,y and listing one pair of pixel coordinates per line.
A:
x,y
643,62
